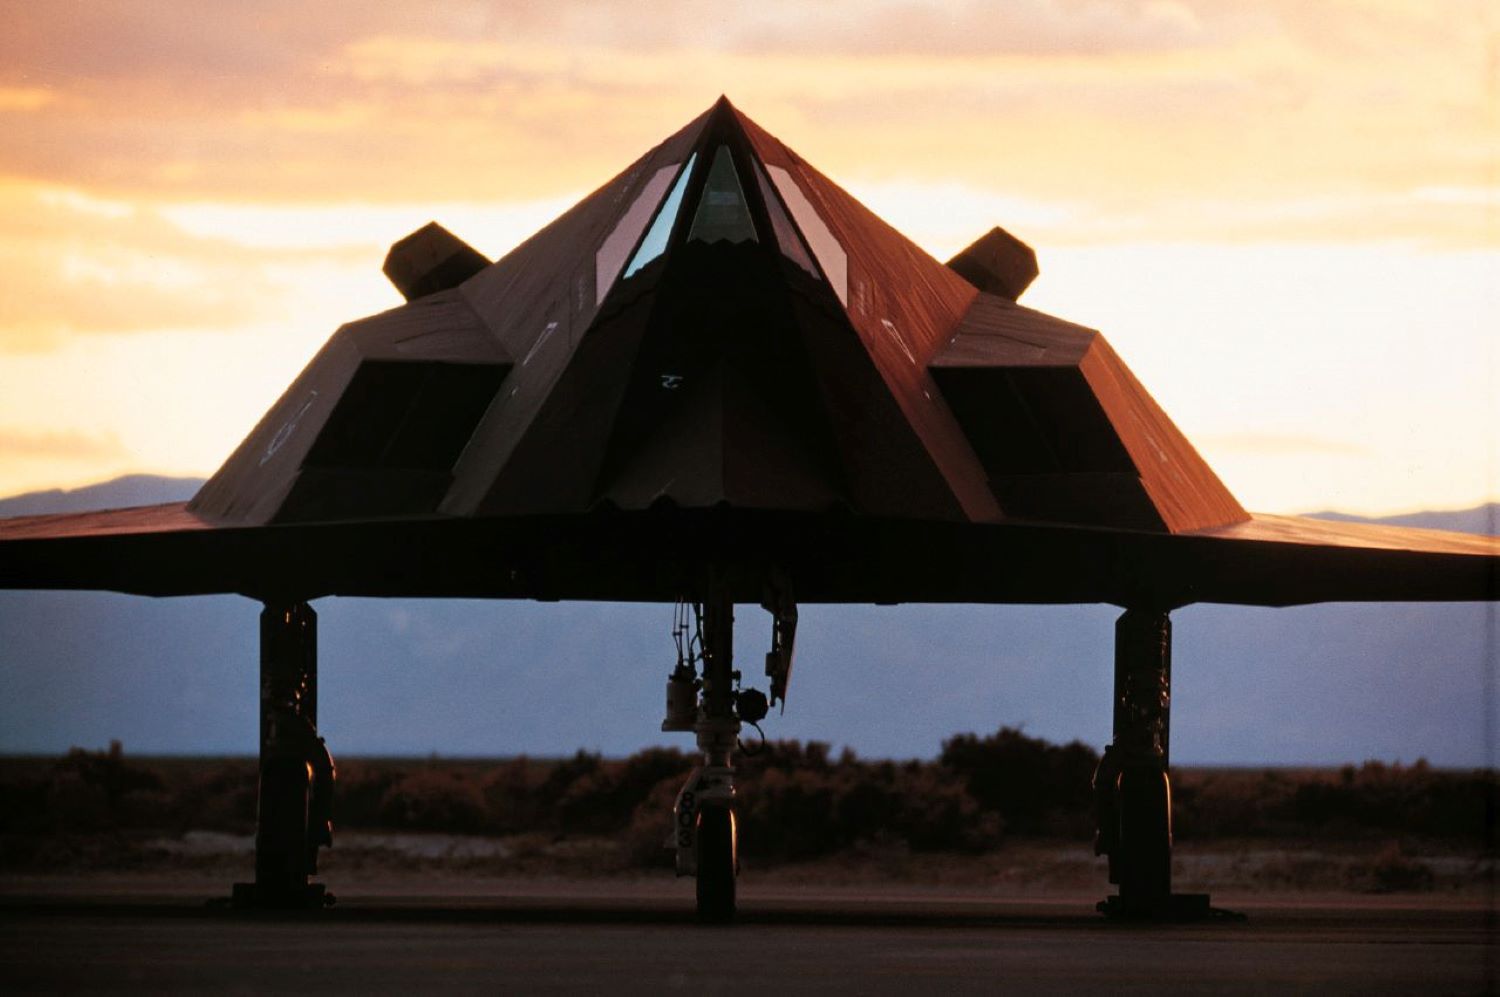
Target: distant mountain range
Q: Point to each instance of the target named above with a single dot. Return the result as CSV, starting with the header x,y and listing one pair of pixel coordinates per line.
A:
x,y
1309,685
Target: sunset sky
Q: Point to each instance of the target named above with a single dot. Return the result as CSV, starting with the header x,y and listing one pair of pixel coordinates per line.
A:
x,y
1285,215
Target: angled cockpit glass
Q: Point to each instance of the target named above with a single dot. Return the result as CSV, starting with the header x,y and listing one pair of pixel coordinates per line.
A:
x,y
722,214
831,255
655,242
616,246
787,238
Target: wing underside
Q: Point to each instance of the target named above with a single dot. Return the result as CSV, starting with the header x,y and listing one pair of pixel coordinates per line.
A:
x,y
1268,560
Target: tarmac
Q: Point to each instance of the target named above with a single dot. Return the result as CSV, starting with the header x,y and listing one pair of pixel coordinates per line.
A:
x,y
627,937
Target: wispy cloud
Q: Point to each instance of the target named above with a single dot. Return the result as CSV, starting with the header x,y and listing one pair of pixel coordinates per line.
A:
x,y
1134,105
72,263
26,444
25,98
492,228
1281,445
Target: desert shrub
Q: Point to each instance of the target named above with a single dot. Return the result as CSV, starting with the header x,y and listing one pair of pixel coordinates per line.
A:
x,y
797,800
646,841
1372,794
568,771
1413,799
604,797
100,790
589,804
1466,804
75,804
435,800
789,814
791,811
790,756
937,814
643,771
1232,804
360,790
221,798
1033,785
23,805
513,799
1354,802
99,774
107,770
867,800
795,803
1392,870
148,808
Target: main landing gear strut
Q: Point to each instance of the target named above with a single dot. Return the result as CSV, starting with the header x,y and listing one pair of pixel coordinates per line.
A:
x,y
705,833
1132,785
293,806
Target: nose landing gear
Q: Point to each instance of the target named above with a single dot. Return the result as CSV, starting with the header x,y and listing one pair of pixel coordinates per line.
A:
x,y
705,831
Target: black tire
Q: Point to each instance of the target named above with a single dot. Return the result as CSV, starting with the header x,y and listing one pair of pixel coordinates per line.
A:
x,y
718,862
281,829
1144,855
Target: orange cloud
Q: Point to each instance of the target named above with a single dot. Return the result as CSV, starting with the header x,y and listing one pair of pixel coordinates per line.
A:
x,y
53,446
25,98
1281,444
1118,105
74,264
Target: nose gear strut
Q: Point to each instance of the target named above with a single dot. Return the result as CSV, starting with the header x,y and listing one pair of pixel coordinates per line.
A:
x,y
704,830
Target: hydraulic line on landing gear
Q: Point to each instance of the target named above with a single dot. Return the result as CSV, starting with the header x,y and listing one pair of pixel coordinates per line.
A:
x,y
684,710
683,684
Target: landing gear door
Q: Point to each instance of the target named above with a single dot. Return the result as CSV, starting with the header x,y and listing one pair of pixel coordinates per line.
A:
x,y
707,786
783,640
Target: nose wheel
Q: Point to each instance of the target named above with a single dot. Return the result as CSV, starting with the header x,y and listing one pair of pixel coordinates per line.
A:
x,y
718,864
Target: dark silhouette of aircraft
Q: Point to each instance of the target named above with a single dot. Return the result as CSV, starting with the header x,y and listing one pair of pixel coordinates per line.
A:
x,y
719,379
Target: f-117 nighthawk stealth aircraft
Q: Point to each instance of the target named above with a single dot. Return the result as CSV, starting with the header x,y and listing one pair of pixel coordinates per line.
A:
x,y
718,380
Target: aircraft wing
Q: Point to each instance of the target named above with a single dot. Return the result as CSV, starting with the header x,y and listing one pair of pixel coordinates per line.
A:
x,y
173,517
648,556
